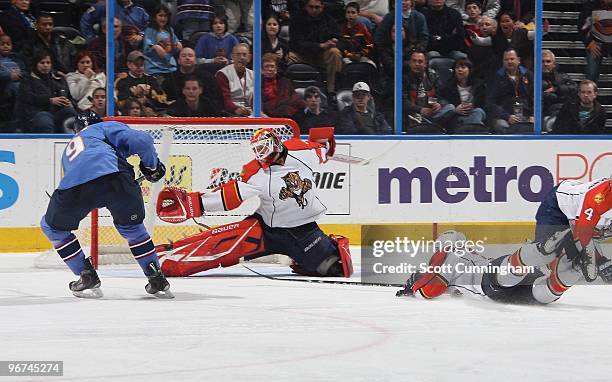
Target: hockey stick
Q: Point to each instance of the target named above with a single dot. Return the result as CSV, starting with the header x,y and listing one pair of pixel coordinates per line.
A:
x,y
350,159
319,281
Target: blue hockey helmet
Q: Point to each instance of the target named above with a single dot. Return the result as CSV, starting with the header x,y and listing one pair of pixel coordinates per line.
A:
x,y
84,119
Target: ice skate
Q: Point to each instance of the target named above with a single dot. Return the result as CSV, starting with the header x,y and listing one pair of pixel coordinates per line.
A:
x,y
158,286
88,285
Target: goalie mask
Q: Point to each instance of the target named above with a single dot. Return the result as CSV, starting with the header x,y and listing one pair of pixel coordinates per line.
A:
x,y
264,144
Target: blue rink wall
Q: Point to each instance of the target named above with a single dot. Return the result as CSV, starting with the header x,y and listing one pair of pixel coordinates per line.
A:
x,y
424,184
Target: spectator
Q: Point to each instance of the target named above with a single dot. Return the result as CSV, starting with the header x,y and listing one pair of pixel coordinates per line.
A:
x,y
361,116
582,116
446,31
284,9
510,97
240,15
133,107
160,43
473,12
63,52
85,79
524,10
507,35
236,83
215,48
593,26
467,96
488,7
278,97
372,12
136,83
97,47
355,41
557,88
98,101
173,82
422,101
193,104
18,22
272,43
125,10
314,115
314,35
417,39
43,101
194,15
12,71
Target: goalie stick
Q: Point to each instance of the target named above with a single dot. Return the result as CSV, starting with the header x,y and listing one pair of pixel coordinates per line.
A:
x,y
320,281
350,159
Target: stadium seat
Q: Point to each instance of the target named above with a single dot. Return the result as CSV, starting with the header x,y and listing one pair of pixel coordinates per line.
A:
x,y
61,11
344,98
443,66
193,39
356,72
303,76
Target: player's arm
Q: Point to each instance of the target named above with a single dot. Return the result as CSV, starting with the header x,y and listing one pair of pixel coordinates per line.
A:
x,y
597,202
176,205
133,142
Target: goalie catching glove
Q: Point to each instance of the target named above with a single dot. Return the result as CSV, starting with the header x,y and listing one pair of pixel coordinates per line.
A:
x,y
153,175
175,205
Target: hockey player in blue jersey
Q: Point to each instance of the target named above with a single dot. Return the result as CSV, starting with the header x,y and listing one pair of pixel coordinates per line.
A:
x,y
96,175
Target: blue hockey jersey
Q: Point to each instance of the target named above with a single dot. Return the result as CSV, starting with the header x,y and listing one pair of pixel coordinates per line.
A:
x,y
102,149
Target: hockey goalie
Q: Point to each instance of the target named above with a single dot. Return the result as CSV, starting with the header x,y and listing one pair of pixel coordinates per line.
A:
x,y
572,222
282,177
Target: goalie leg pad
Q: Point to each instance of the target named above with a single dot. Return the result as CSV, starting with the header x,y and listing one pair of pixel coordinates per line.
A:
x,y
222,246
344,250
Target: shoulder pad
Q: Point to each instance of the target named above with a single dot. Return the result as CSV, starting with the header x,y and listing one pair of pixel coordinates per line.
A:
x,y
249,169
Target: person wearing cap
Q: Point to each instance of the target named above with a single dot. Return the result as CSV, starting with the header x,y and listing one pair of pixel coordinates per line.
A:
x,y
314,115
136,83
361,118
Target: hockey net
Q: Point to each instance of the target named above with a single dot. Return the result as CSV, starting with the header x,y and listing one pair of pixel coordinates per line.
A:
x,y
200,154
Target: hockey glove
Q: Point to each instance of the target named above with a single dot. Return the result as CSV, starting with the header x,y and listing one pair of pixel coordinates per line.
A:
x,y
175,205
153,175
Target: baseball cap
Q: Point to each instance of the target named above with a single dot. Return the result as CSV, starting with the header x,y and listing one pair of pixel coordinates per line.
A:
x,y
361,87
134,55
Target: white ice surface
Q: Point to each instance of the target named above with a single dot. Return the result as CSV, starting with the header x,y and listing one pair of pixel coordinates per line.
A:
x,y
234,326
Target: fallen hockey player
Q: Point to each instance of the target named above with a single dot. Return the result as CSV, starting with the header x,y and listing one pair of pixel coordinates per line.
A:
x,y
572,221
282,176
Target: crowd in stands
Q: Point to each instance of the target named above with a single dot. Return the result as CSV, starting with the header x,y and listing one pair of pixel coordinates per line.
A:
x,y
467,65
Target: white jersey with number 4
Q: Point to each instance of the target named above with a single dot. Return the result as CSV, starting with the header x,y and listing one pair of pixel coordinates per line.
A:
x,y
288,193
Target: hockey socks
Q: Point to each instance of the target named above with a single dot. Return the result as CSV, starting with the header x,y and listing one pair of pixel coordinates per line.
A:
x,y
144,253
71,252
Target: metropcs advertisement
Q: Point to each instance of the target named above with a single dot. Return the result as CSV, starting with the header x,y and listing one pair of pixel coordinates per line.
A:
x,y
404,181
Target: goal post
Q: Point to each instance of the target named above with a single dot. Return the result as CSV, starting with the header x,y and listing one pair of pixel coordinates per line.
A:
x,y
199,154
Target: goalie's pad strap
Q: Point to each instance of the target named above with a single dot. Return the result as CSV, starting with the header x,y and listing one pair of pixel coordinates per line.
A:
x,y
344,251
221,246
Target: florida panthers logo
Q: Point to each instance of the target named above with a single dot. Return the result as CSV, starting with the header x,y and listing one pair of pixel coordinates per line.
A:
x,y
296,188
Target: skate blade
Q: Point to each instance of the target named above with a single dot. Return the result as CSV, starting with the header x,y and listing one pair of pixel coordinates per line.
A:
x,y
164,295
89,293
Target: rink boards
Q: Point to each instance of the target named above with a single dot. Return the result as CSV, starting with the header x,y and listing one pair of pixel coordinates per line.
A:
x,y
431,184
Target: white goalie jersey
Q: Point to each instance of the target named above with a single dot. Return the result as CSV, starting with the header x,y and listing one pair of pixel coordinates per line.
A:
x,y
287,193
